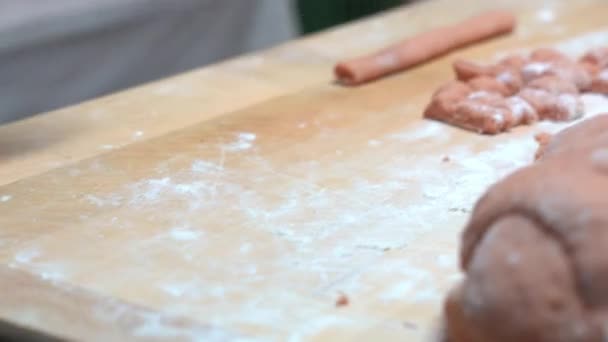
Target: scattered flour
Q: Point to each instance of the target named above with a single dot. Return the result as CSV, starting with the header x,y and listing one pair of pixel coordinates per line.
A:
x,y
203,166
154,327
574,47
533,70
374,143
317,324
106,201
30,259
382,206
446,261
137,135
387,60
5,198
423,130
180,289
546,15
246,248
243,142
184,234
578,45
27,256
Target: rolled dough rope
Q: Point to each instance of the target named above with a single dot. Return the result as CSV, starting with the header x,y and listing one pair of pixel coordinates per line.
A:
x,y
424,47
534,250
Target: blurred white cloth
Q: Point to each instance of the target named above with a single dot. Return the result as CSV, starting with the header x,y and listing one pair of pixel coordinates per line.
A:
x,y
58,52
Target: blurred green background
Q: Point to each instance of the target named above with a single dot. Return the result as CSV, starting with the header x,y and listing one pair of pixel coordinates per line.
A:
x,y
316,15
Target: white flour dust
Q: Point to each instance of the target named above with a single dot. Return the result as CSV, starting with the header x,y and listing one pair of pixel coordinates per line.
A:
x,y
424,130
5,198
573,47
31,259
153,325
328,233
578,45
137,135
185,234
243,142
322,233
546,15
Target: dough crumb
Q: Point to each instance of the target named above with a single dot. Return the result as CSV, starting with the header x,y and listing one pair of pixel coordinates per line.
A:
x,y
342,300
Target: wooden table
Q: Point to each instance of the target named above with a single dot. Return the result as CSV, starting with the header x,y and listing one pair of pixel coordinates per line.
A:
x,y
243,199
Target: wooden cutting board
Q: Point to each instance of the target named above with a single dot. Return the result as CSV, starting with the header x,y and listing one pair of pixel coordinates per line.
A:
x,y
253,224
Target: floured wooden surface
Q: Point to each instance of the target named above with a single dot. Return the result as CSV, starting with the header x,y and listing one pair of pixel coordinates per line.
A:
x,y
66,136
253,223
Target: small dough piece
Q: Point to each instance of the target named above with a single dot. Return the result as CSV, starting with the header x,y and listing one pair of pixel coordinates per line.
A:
x,y
466,70
548,55
590,68
569,71
483,112
557,107
514,62
600,83
482,118
548,62
512,79
553,85
445,100
523,113
480,111
596,59
543,139
507,72
489,84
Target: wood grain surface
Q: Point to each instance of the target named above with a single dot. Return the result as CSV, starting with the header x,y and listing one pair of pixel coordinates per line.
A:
x,y
240,201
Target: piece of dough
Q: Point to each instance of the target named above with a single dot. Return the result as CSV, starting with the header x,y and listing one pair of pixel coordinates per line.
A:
x,y
600,82
534,250
489,84
446,99
549,62
542,86
483,111
506,71
595,60
423,47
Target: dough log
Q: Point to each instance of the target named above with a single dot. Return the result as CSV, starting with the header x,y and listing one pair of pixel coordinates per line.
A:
x,y
424,47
